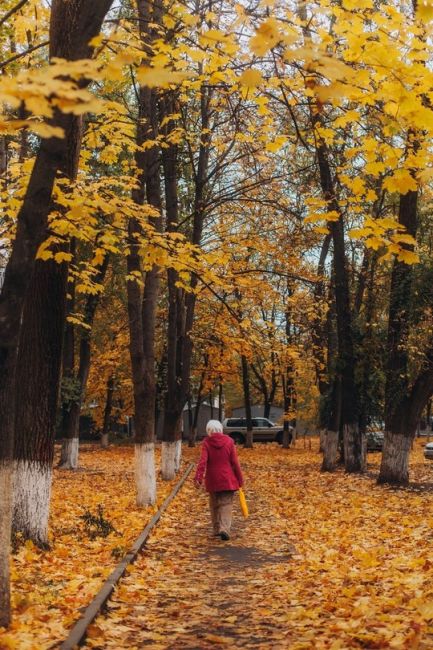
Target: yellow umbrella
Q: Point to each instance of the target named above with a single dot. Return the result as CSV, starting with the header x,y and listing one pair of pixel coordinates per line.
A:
x,y
243,502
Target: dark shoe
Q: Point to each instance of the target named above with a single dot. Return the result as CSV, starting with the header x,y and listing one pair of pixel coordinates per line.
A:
x,y
225,536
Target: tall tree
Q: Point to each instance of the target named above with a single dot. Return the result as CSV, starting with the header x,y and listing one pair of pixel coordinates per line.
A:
x,y
72,26
142,304
403,405
71,407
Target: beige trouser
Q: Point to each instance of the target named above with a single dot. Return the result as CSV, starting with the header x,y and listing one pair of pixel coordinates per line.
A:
x,y
221,510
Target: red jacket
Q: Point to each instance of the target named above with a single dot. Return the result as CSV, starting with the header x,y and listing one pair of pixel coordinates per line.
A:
x,y
219,462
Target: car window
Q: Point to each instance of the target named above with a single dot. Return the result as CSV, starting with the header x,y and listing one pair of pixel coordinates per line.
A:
x,y
235,422
263,422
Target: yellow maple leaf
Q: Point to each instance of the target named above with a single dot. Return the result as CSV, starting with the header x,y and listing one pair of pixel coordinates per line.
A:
x,y
408,257
276,144
321,230
45,130
267,36
400,181
251,78
62,257
424,10
160,77
213,37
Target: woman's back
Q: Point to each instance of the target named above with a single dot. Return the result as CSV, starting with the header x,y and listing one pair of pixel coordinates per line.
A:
x,y
219,463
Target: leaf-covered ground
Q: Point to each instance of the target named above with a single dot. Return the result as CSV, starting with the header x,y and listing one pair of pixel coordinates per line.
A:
x,y
50,586
324,561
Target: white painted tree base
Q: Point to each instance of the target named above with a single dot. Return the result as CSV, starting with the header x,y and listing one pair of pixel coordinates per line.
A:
x,y
31,499
178,455
168,460
145,475
104,441
5,539
69,453
394,467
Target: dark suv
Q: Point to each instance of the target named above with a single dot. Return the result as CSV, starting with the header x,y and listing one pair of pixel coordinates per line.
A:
x,y
263,430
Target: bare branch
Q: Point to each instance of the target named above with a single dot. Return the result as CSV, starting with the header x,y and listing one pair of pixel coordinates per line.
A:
x,y
22,54
12,11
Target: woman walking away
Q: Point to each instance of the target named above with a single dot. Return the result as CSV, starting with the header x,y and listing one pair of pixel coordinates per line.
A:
x,y
219,465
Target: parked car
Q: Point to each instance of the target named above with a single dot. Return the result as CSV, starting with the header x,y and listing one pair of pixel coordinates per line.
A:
x,y
428,450
375,440
263,430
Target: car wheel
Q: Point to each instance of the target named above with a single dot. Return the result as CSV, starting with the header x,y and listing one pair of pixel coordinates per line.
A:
x,y
238,438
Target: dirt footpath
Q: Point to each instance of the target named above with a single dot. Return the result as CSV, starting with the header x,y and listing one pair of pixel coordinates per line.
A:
x,y
324,561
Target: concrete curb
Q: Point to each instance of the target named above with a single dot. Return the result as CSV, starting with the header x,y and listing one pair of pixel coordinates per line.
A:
x,y
78,633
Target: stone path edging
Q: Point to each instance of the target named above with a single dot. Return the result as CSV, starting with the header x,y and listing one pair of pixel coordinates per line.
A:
x,y
78,633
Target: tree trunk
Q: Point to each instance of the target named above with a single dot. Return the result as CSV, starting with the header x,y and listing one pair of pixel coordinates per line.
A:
x,y
331,441
40,354
394,468
178,455
70,444
149,167
192,437
170,444
220,401
194,423
319,333
267,392
330,451
69,382
190,420
107,412
287,381
288,377
72,27
353,441
181,311
399,404
286,435
247,401
175,397
143,451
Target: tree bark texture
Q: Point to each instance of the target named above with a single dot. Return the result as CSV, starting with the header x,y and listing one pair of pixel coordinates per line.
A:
x,y
401,403
193,431
111,384
247,401
332,423
354,460
39,358
72,26
182,304
71,416
142,304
